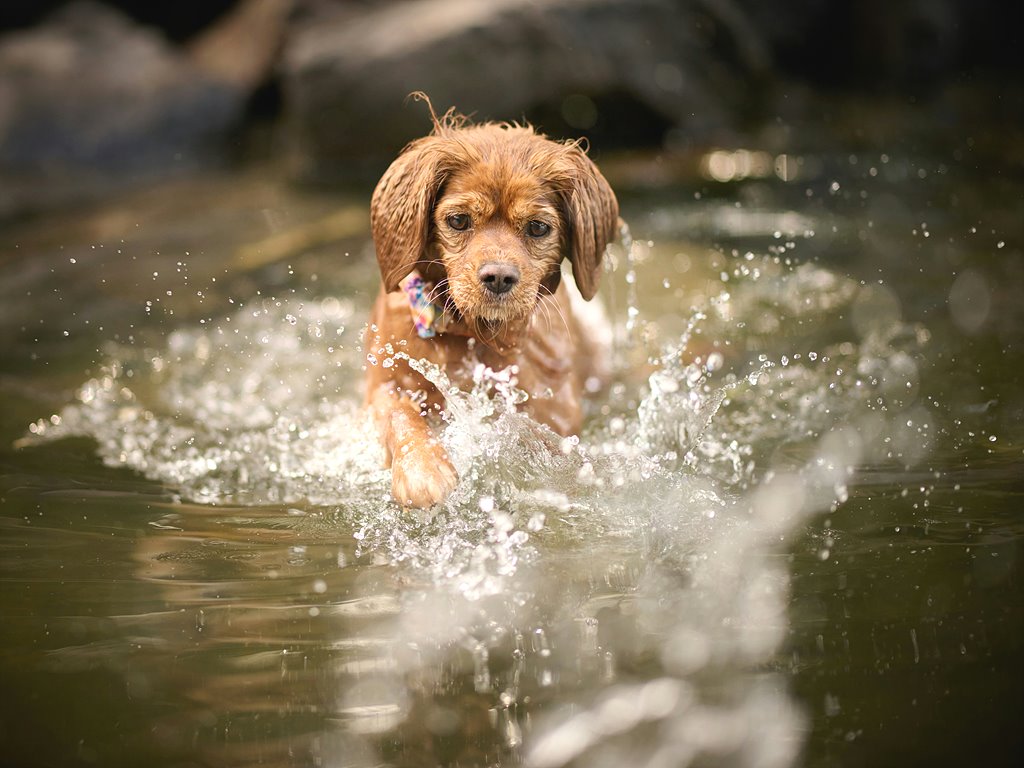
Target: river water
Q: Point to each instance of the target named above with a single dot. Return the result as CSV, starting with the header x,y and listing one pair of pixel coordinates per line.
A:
x,y
789,535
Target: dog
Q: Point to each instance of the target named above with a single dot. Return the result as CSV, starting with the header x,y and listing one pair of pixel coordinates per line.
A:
x,y
471,224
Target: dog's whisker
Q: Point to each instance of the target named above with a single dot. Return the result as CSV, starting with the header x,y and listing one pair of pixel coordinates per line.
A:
x,y
549,303
475,325
450,307
440,288
561,313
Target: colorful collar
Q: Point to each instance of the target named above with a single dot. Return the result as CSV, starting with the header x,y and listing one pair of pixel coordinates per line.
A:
x,y
428,317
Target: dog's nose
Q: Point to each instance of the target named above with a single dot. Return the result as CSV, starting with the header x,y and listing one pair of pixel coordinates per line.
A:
x,y
498,277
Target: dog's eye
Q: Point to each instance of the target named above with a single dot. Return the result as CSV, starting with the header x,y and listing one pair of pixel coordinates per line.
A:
x,y
537,228
458,221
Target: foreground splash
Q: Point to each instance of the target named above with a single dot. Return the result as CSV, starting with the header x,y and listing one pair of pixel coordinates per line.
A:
x,y
644,546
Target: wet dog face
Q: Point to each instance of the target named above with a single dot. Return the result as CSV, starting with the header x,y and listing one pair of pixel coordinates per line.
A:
x,y
499,233
487,213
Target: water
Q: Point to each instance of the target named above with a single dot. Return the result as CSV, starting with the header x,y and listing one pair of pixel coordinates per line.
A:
x,y
788,535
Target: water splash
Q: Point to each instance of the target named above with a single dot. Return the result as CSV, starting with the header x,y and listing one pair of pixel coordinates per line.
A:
x,y
657,519
629,247
259,409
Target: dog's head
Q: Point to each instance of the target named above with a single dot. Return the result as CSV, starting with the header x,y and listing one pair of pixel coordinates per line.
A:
x,y
488,212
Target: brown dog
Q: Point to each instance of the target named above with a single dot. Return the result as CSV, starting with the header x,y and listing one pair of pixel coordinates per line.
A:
x,y
471,224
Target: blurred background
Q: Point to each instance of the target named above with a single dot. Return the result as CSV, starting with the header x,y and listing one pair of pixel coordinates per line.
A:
x,y
96,96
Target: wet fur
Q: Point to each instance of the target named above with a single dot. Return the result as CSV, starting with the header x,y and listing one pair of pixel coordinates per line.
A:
x,y
502,176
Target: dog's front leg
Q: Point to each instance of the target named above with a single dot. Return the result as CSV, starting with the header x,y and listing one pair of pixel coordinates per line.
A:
x,y
421,472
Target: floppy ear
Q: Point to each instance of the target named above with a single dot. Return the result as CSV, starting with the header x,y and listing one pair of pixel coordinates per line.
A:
x,y
401,208
593,215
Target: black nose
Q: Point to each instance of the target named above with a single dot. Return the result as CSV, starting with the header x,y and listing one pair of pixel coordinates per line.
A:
x,y
498,277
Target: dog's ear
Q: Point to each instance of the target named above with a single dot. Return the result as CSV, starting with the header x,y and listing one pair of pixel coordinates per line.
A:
x,y
401,209
593,215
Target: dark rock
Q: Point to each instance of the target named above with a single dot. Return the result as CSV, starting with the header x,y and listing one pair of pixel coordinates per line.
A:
x,y
90,101
242,47
692,66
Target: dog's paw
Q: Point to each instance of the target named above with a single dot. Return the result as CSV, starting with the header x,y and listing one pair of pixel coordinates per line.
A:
x,y
422,475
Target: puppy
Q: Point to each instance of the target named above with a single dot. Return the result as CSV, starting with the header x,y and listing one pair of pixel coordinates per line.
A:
x,y
470,225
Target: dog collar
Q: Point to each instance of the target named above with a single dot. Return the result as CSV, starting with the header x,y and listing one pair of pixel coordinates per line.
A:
x,y
428,317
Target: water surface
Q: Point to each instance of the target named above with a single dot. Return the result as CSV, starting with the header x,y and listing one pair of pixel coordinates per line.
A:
x,y
789,534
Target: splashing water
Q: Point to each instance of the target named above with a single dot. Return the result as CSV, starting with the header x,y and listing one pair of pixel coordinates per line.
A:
x,y
660,517
257,410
